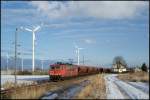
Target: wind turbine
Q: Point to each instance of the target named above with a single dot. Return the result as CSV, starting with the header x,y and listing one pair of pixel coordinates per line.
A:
x,y
33,43
78,52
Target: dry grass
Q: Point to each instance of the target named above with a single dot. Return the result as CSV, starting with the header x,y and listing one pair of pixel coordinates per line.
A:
x,y
9,84
135,76
36,92
95,90
32,92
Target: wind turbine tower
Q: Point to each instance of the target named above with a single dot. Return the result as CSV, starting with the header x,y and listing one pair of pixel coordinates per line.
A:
x,y
33,43
78,53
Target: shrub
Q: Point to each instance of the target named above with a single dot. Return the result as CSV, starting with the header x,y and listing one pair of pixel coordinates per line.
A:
x,y
24,73
40,73
144,67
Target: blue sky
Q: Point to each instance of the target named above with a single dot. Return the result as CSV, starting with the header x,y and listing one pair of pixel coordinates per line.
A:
x,y
104,29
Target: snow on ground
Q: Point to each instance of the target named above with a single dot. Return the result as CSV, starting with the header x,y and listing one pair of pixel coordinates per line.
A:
x,y
118,89
143,86
22,78
133,92
112,90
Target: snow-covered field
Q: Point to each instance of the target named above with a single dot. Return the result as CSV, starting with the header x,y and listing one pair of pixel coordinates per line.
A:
x,y
143,86
22,78
118,89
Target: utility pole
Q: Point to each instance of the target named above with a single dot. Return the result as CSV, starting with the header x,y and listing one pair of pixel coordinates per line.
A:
x,y
71,61
78,56
22,63
83,59
16,55
22,59
42,63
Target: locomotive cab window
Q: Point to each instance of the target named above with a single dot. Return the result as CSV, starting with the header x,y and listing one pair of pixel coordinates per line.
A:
x,y
79,68
57,67
52,67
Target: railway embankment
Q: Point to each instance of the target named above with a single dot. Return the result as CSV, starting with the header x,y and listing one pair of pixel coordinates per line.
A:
x,y
36,91
92,87
95,90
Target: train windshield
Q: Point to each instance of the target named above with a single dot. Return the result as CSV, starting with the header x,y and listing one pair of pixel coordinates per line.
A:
x,y
52,67
55,67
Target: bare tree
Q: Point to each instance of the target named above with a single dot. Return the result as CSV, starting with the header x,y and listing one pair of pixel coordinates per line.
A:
x,y
119,60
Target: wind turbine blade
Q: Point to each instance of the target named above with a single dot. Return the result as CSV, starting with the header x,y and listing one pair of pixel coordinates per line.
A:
x,y
28,29
38,27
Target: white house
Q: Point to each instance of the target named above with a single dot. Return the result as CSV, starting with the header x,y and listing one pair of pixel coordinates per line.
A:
x,y
119,68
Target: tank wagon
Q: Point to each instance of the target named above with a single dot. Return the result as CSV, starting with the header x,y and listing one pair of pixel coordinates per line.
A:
x,y
60,71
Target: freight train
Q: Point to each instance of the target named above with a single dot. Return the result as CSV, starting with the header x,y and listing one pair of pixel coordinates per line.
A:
x,y
61,71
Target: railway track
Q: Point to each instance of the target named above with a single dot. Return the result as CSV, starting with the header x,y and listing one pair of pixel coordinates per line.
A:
x,y
40,83
66,93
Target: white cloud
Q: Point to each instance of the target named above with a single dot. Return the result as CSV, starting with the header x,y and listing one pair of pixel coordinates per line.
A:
x,y
51,9
97,9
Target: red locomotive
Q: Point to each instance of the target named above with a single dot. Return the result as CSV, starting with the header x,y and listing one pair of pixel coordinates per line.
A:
x,y
60,70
